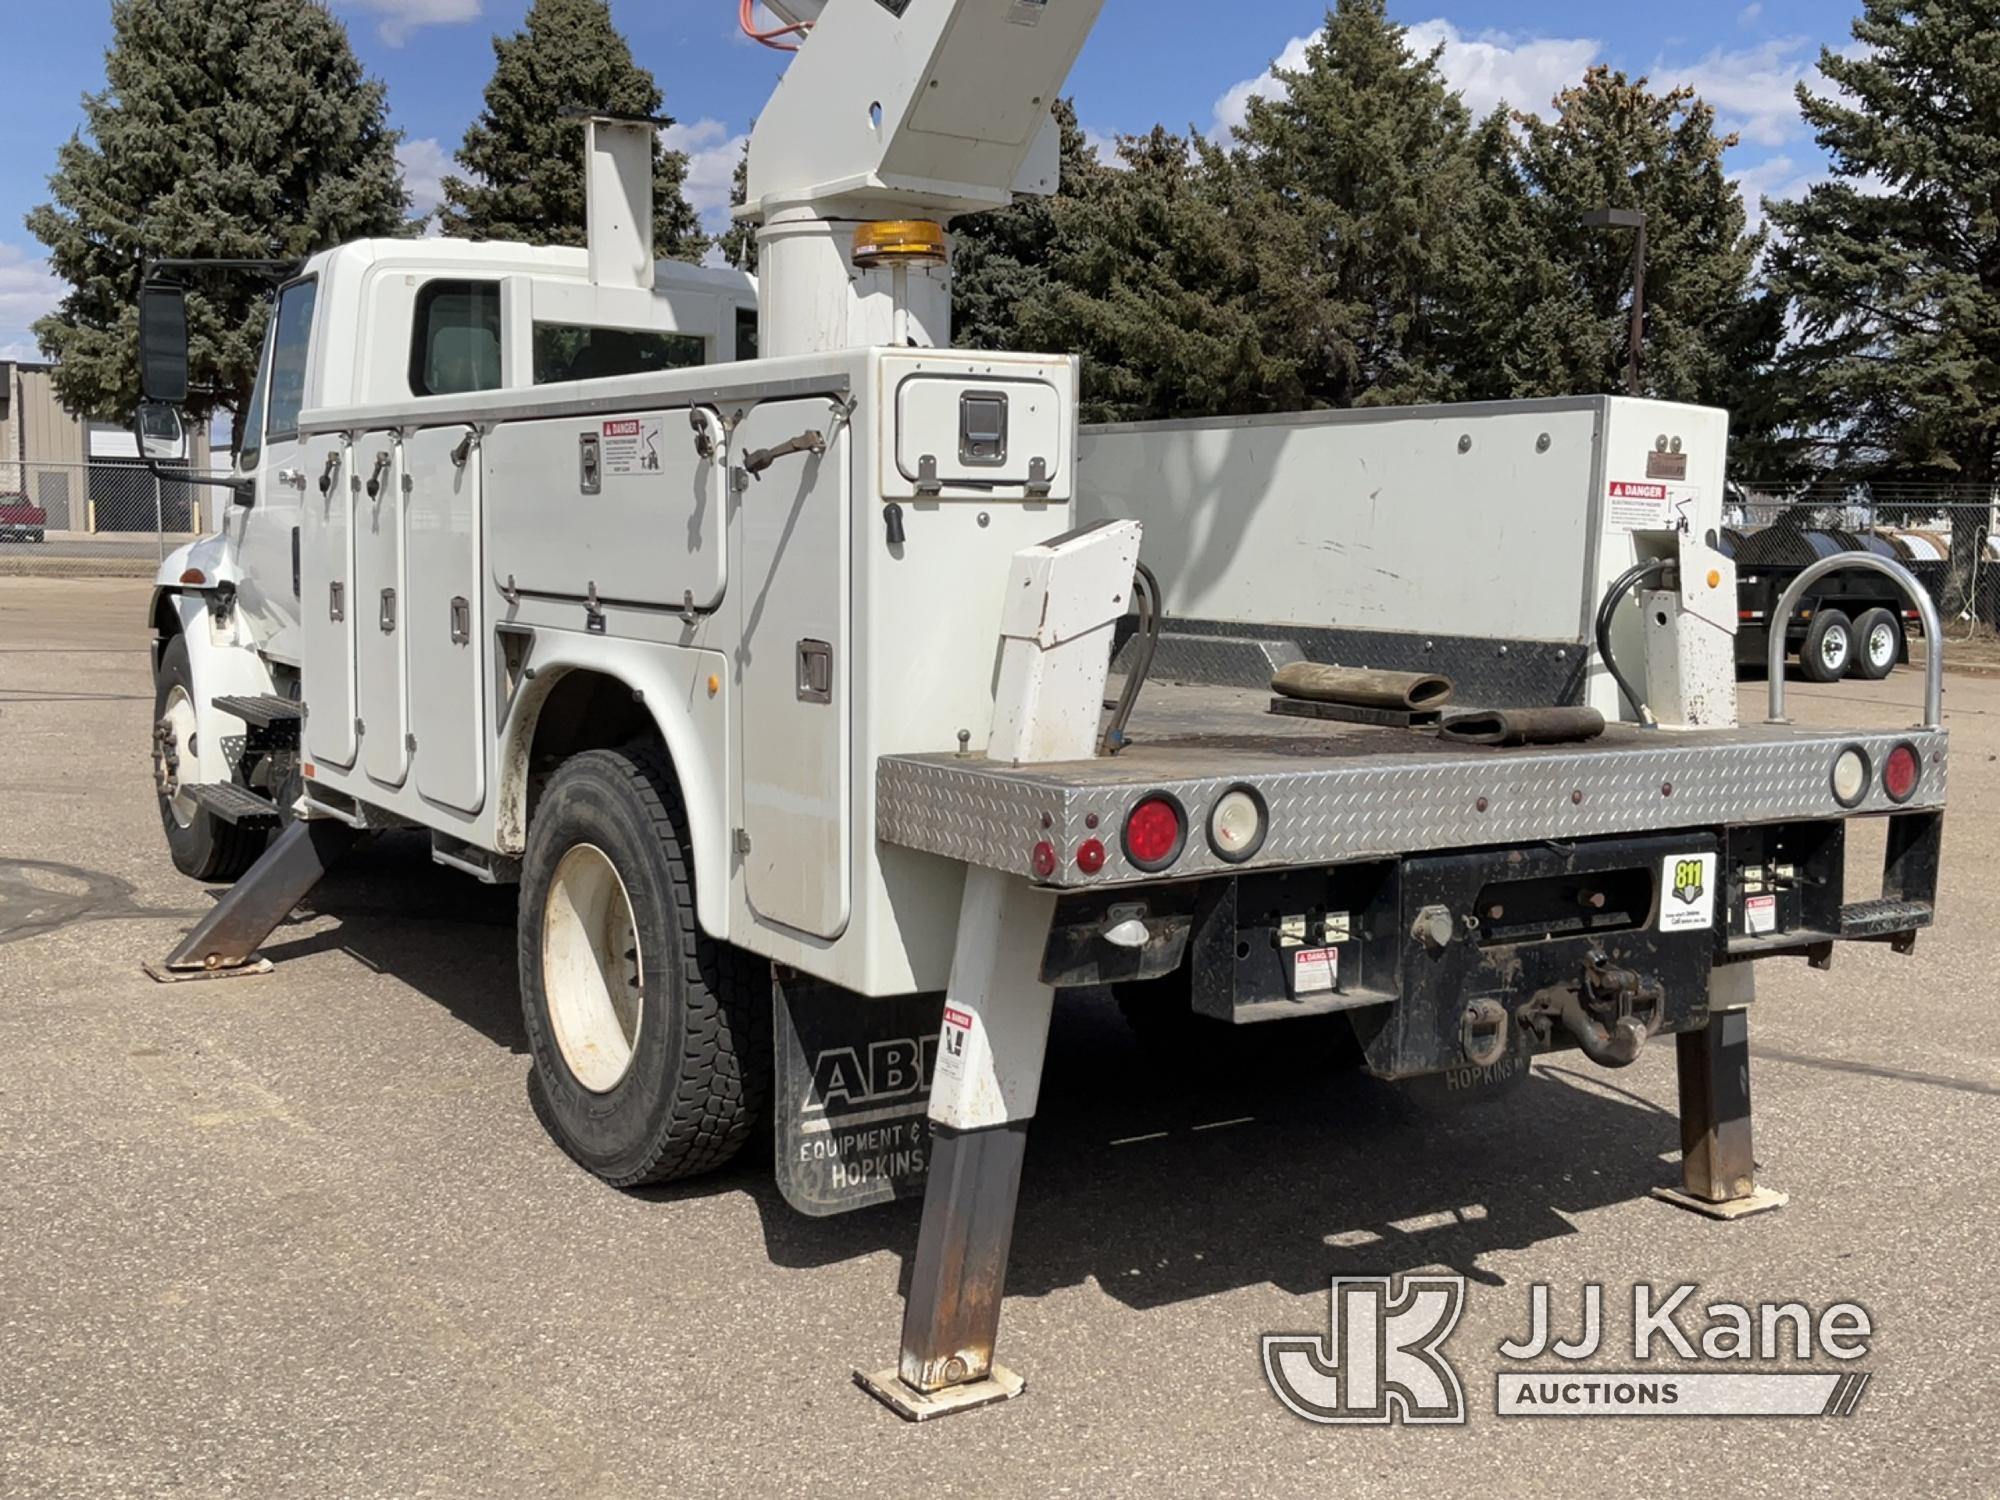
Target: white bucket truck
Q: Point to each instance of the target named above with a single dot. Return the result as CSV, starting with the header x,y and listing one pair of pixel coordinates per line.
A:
x,y
778,683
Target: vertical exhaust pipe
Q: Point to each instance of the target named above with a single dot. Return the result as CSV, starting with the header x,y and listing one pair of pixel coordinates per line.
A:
x,y
618,199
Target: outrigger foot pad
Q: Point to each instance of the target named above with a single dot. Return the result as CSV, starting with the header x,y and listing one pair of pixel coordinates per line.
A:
x,y
1762,1201
912,1405
165,975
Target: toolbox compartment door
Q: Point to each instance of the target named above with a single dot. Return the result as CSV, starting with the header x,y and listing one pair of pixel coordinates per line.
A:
x,y
381,686
794,675
326,600
623,502
444,621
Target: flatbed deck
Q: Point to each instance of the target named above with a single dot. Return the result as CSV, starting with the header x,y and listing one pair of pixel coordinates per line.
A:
x,y
1343,792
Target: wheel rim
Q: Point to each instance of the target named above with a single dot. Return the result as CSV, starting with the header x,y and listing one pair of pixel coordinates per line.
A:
x,y
1882,646
173,745
1833,649
593,974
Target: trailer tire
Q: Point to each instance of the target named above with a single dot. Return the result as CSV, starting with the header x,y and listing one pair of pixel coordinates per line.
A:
x,y
674,1081
1878,637
1828,653
204,847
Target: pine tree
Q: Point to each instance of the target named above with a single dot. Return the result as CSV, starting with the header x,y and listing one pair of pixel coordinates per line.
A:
x,y
738,244
1001,257
523,156
1367,146
1892,268
1557,301
245,131
1177,282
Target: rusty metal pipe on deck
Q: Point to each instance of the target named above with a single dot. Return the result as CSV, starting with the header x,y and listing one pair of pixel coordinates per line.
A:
x,y
1358,687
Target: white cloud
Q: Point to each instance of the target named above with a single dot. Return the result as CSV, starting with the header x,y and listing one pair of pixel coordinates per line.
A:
x,y
424,163
1496,67
712,152
1753,91
1105,144
1233,108
401,17
28,289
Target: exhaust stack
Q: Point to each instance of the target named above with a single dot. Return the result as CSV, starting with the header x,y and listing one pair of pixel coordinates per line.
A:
x,y
618,200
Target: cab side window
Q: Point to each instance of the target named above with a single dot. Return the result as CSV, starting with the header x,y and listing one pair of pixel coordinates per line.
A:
x,y
289,346
455,343
250,437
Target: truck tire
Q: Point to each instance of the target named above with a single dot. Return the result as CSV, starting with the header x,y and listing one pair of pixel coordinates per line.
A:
x,y
1878,637
1828,654
650,1040
204,846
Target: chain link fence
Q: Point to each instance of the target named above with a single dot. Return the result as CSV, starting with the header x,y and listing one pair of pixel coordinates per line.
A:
x,y
106,517
1948,536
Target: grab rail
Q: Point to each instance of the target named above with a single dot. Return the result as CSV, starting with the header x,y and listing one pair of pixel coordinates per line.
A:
x,y
1865,562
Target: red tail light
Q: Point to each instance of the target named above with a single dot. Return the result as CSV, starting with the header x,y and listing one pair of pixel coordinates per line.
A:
x,y
1155,833
1902,773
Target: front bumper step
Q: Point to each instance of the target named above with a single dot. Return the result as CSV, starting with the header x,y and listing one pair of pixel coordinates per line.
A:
x,y
235,804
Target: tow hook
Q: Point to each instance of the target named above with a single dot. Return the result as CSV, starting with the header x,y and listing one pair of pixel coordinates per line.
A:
x,y
1612,1013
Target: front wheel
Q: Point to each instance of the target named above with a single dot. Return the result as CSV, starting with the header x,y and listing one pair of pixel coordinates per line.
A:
x,y
204,846
651,1041
1880,635
1828,654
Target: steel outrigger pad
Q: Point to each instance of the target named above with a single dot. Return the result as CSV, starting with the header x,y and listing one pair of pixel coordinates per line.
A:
x,y
1718,1168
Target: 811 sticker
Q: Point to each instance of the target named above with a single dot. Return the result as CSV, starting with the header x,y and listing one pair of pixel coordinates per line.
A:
x,y
1687,893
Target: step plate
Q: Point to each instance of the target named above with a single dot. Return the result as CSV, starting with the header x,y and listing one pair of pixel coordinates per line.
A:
x,y
235,804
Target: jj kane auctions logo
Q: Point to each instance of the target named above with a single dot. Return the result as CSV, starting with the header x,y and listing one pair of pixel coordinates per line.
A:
x,y
1382,1359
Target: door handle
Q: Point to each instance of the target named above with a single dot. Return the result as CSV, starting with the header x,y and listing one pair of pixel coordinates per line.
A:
x,y
292,478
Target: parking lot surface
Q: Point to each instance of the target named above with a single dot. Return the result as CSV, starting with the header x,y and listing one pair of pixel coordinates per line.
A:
x,y
301,1235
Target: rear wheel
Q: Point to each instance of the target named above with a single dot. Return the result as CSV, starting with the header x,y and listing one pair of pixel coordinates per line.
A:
x,y
1828,654
204,846
1879,637
651,1041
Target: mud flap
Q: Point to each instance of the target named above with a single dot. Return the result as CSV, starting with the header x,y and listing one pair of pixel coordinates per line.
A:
x,y
853,1095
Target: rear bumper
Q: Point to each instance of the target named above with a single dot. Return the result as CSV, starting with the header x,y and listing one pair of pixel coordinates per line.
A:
x,y
1411,796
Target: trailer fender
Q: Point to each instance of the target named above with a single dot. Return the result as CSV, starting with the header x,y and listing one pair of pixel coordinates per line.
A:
x,y
225,663
623,688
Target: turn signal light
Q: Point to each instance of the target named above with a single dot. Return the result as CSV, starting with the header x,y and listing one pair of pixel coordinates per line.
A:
x,y
1155,833
1902,773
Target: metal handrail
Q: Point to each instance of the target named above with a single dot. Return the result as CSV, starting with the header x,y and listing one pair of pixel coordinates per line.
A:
x,y
1864,562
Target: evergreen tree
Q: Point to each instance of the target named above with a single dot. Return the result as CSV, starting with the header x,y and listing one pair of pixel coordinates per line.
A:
x,y
1892,268
738,243
244,131
1177,281
1369,149
523,156
1556,302
1001,257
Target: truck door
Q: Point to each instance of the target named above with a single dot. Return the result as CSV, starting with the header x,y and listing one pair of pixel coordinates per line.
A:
x,y
326,599
270,447
792,669
442,617
382,696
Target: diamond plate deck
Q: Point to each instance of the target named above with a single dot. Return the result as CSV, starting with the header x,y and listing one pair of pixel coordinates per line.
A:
x,y
1341,793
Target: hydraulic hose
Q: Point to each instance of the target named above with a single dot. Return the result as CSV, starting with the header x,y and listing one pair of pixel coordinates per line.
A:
x,y
1606,613
1147,590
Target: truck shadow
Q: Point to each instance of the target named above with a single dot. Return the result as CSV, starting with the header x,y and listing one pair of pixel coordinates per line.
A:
x,y
1283,1173
1264,1165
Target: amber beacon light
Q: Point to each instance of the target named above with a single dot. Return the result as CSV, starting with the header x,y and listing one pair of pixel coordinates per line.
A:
x,y
900,242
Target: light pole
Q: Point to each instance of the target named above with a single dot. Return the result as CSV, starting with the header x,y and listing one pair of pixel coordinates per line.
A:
x,y
1635,219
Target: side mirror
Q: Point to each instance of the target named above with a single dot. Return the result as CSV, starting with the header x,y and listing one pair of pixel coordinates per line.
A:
x,y
158,429
163,343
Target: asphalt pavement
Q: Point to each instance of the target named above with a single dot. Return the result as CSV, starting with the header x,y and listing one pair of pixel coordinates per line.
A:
x,y
301,1235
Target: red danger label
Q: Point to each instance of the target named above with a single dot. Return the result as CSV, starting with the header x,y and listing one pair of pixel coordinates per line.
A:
x,y
1621,491
621,429
957,1018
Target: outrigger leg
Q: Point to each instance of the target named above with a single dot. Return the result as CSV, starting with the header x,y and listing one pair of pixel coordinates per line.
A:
x,y
1064,599
1718,1169
225,942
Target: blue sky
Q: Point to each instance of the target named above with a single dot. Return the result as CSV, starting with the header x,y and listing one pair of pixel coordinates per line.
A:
x,y
1171,61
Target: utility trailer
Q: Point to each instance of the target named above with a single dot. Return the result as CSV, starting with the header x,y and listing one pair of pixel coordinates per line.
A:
x,y
1854,622
780,685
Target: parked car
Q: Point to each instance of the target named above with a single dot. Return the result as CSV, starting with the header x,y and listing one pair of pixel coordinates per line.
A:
x,y
20,521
